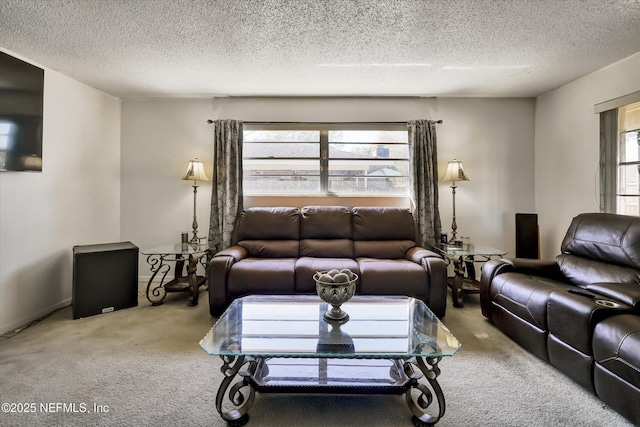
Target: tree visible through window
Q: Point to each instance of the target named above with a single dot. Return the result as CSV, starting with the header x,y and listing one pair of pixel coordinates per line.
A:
x,y
325,161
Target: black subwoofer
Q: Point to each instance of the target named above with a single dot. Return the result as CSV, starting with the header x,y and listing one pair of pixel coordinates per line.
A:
x,y
105,278
527,236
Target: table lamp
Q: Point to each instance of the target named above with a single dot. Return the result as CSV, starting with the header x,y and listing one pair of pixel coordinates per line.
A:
x,y
195,172
454,173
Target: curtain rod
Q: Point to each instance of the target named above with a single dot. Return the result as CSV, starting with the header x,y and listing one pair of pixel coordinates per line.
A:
x,y
209,121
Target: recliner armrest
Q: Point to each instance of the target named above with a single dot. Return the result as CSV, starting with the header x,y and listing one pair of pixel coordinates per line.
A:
x,y
217,276
436,269
416,254
236,252
627,293
535,267
492,268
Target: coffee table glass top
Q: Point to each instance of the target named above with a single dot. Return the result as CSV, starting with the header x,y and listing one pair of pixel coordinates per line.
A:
x,y
470,250
177,249
293,326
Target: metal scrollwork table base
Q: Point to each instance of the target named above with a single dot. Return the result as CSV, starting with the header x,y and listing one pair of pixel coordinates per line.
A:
x,y
160,260
463,257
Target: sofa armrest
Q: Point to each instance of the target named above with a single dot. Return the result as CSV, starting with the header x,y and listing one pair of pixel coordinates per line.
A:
x,y
218,272
535,267
416,254
492,268
236,252
436,269
627,293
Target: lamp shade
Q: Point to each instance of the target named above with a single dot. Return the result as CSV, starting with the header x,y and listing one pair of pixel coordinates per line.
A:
x,y
195,171
454,172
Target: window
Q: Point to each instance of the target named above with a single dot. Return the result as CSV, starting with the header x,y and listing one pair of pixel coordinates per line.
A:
x,y
620,155
326,160
628,160
281,161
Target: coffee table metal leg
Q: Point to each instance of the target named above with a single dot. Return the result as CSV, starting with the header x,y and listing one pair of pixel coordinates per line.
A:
x,y
420,401
232,366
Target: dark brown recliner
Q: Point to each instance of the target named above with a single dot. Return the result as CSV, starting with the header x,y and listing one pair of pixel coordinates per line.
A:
x,y
580,312
279,249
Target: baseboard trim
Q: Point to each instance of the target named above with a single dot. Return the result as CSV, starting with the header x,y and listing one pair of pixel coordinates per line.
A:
x,y
24,322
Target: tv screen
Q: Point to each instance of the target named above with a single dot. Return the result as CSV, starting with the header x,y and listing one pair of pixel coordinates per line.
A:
x,y
21,97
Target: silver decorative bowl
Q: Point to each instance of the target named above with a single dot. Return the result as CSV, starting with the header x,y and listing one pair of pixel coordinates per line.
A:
x,y
336,294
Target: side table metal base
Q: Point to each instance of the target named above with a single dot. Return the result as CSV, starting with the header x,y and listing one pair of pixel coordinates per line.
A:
x,y
190,283
464,281
463,258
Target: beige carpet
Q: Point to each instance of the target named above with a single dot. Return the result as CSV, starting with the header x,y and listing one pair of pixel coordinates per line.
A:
x,y
143,366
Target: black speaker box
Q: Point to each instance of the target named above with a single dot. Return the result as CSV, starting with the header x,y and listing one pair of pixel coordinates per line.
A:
x,y
105,278
527,236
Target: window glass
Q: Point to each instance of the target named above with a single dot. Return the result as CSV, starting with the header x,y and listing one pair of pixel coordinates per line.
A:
x,y
371,162
281,161
281,135
628,164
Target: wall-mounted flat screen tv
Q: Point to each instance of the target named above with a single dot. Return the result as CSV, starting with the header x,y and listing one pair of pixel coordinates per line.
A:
x,y
21,98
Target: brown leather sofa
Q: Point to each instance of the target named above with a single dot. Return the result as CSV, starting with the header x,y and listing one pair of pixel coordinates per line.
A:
x,y
279,249
580,312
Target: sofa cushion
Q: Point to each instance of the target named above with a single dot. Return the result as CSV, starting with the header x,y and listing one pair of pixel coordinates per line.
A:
x,y
269,224
325,222
325,231
608,238
583,271
525,296
262,276
271,248
392,277
616,346
383,223
383,249
329,248
306,267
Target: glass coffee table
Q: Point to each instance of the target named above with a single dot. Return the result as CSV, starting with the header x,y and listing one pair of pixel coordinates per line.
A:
x,y
282,344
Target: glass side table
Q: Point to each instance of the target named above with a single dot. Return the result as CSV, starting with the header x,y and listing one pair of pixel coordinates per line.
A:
x,y
160,260
463,259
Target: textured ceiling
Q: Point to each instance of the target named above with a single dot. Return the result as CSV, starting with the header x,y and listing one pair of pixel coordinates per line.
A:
x,y
132,48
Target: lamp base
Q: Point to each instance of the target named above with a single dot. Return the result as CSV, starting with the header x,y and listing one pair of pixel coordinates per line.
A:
x,y
454,229
195,240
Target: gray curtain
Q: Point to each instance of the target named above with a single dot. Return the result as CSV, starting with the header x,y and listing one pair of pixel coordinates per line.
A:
x,y
423,171
226,197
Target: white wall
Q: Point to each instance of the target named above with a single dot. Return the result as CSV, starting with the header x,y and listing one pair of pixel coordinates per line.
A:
x,y
567,141
159,137
74,201
492,137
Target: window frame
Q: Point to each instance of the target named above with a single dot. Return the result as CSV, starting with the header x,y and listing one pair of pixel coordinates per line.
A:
x,y
323,156
622,164
610,137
